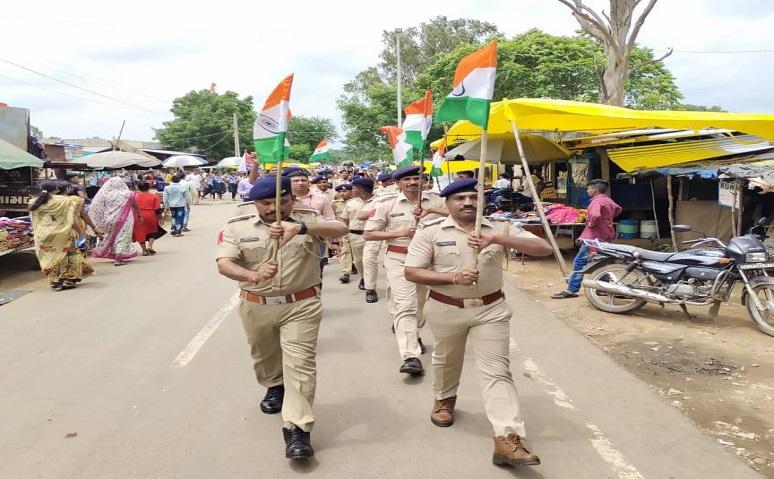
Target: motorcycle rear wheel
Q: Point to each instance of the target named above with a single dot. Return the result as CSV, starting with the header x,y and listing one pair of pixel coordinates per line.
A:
x,y
763,319
613,303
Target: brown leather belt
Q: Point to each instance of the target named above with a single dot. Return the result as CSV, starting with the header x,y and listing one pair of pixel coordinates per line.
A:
x,y
290,298
397,249
357,232
460,302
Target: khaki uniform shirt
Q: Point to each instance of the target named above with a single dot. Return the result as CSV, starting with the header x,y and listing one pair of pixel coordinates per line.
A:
x,y
246,239
350,212
397,212
338,207
441,245
330,193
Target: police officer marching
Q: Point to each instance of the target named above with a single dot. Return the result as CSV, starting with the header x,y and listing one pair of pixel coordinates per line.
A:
x,y
467,303
280,304
395,221
343,194
362,195
372,248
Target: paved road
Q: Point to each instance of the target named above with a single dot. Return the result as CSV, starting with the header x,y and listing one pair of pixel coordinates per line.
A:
x,y
145,367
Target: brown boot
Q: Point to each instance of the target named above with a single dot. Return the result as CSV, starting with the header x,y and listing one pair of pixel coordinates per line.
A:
x,y
509,451
443,412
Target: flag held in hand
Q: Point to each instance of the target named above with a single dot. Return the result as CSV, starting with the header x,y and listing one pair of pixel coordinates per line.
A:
x,y
473,88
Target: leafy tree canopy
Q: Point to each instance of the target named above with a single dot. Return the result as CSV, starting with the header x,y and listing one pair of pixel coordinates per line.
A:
x,y
204,123
305,133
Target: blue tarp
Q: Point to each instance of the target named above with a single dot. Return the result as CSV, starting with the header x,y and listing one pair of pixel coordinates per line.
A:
x,y
706,173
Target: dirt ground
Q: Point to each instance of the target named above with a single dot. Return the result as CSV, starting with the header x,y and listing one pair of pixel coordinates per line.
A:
x,y
720,373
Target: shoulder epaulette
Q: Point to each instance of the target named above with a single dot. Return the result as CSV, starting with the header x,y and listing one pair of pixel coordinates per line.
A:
x,y
240,218
431,222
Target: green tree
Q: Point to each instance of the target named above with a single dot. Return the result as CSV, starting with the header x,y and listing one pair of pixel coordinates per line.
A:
x,y
305,133
538,65
204,123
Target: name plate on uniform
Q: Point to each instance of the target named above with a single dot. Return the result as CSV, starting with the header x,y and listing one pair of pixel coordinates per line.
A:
x,y
249,239
396,214
446,243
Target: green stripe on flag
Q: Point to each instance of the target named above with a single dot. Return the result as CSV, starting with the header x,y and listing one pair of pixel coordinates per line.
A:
x,y
319,157
475,110
436,172
270,150
414,138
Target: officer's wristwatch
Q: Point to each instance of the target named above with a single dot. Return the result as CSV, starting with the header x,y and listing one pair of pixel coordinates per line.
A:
x,y
302,230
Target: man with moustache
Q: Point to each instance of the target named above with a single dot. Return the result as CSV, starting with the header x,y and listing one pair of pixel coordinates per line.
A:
x,y
466,302
394,221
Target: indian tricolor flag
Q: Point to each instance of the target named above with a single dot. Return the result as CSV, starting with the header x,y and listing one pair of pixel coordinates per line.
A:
x,y
320,153
401,149
419,119
271,125
473,88
438,159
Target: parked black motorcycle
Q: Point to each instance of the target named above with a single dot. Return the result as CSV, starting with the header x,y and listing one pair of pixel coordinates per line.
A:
x,y
505,199
621,278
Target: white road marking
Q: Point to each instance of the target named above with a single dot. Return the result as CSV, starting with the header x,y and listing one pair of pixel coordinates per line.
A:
x,y
611,455
193,346
599,442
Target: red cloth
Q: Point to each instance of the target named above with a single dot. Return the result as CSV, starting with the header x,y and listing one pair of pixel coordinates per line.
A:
x,y
149,203
599,218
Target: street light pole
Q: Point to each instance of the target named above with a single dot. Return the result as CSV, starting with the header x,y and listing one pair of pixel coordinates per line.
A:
x,y
398,31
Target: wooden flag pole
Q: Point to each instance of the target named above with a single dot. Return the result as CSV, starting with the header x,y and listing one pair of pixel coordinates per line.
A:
x,y
538,203
278,203
480,190
445,146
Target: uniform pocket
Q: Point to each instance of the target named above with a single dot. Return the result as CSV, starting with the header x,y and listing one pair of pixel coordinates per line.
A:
x,y
255,253
491,254
448,256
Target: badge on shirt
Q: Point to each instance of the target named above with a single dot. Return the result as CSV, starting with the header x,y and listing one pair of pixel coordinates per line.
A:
x,y
396,214
446,243
220,237
249,239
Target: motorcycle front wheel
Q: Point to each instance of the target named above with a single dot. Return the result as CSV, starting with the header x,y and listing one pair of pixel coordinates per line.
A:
x,y
611,302
764,319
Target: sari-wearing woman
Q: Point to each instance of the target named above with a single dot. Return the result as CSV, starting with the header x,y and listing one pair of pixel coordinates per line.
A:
x,y
111,211
56,226
148,231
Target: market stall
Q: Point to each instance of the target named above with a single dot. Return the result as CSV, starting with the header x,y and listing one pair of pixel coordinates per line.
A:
x,y
17,173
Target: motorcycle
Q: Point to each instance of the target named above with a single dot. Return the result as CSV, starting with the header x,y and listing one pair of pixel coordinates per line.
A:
x,y
622,278
505,199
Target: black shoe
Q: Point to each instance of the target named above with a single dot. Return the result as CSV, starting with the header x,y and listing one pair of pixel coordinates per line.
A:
x,y
324,261
421,346
354,269
344,278
272,401
297,443
361,284
371,296
412,366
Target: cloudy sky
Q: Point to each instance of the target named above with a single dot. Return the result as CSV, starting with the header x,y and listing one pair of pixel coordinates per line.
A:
x,y
129,64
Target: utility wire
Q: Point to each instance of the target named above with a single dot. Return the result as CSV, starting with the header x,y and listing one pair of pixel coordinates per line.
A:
x,y
87,76
76,86
61,92
719,52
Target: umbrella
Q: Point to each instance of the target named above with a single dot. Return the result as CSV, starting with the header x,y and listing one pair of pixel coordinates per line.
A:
x,y
230,162
117,159
181,161
502,149
12,157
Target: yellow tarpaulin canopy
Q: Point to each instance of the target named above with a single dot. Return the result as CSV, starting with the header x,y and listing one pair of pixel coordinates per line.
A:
x,y
563,115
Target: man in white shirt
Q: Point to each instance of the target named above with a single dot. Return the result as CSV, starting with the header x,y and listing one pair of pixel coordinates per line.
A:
x,y
502,182
195,179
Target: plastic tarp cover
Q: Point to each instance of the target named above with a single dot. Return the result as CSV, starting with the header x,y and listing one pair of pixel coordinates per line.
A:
x,y
12,157
15,126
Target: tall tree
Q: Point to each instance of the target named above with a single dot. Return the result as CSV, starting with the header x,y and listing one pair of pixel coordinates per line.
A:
x,y
617,33
204,123
305,133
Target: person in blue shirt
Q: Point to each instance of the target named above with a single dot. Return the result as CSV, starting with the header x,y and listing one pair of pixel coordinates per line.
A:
x,y
177,200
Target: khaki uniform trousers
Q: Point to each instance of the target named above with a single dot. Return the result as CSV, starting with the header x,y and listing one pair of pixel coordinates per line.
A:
x,y
371,263
345,255
405,301
488,328
356,243
283,344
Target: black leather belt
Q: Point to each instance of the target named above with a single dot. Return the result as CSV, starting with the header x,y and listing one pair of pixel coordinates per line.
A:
x,y
357,232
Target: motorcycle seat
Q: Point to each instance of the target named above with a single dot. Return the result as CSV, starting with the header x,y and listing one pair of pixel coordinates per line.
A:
x,y
642,253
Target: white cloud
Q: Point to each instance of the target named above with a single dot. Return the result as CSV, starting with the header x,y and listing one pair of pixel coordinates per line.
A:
x,y
156,51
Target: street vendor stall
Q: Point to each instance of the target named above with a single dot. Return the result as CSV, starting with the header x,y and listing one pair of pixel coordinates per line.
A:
x,y
17,172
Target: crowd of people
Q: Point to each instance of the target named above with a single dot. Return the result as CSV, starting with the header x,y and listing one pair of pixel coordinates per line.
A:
x,y
439,272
